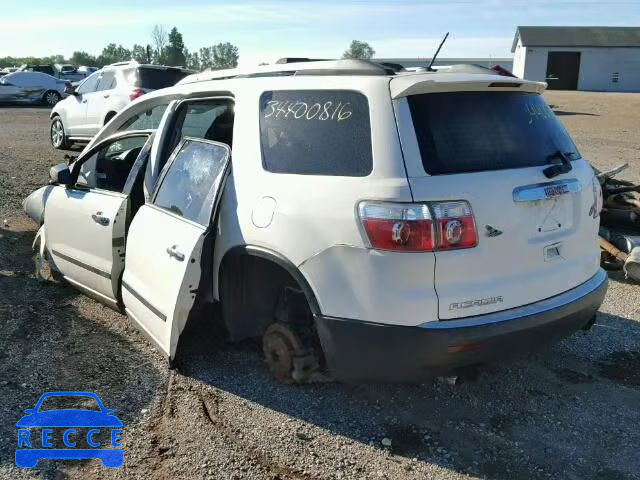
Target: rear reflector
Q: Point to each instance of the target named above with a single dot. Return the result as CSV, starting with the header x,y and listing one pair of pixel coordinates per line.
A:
x,y
419,227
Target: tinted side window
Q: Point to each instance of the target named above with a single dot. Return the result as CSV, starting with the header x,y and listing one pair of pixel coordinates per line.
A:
x,y
147,120
208,119
90,84
107,81
194,174
316,132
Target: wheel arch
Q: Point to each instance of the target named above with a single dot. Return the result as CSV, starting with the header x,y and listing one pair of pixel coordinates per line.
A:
x,y
108,116
253,282
277,258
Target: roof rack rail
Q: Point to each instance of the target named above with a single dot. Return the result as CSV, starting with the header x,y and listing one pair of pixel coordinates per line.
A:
x,y
284,60
126,62
311,67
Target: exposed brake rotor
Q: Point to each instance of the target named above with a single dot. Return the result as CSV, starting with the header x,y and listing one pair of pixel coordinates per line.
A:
x,y
288,359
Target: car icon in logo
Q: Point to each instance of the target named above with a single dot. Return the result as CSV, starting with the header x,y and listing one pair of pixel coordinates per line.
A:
x,y
75,428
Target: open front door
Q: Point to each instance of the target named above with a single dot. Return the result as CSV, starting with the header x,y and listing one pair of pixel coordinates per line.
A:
x,y
166,239
85,222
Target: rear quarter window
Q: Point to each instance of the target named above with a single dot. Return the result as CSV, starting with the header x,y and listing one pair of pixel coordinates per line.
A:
x,y
154,78
316,132
461,132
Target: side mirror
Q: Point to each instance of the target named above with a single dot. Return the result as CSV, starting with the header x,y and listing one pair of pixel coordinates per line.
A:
x,y
60,174
70,89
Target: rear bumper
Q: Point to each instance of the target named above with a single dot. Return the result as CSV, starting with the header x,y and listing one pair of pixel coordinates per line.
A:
x,y
357,350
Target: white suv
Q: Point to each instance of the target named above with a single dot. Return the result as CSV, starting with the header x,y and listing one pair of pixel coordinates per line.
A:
x,y
366,224
104,93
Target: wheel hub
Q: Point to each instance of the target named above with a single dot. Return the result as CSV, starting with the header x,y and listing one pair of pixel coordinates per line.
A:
x,y
288,360
56,133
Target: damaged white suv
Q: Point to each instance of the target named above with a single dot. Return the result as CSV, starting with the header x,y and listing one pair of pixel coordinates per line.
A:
x,y
367,224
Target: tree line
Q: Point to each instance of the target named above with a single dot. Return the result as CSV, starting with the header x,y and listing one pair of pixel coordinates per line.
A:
x,y
166,48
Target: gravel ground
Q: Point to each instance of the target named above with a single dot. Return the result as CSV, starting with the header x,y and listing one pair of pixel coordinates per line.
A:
x,y
571,411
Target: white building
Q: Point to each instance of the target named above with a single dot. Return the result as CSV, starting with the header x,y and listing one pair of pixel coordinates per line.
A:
x,y
579,58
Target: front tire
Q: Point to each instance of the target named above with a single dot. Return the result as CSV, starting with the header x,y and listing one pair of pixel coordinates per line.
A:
x,y
58,135
51,97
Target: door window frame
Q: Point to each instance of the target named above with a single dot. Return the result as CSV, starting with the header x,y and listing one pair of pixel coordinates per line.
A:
x,y
77,165
168,165
163,155
111,85
97,76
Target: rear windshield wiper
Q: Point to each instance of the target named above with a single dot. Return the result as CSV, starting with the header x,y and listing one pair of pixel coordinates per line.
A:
x,y
563,167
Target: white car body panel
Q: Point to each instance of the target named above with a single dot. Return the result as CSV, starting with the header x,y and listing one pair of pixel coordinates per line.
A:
x,y
82,248
74,115
302,203
158,290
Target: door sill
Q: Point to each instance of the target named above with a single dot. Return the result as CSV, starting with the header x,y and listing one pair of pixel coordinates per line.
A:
x,y
147,334
109,302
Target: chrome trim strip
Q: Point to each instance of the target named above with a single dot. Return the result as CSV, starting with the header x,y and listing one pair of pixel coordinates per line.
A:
x,y
80,264
144,302
552,303
147,333
544,191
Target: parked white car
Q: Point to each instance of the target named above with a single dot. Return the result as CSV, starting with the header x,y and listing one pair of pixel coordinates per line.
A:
x,y
373,226
103,94
31,87
87,70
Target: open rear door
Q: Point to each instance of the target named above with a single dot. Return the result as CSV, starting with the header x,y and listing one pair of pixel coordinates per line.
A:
x,y
166,239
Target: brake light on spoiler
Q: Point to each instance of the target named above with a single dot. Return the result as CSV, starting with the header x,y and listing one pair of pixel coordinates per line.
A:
x,y
419,227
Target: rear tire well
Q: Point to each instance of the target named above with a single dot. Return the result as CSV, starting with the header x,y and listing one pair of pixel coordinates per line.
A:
x,y
108,117
252,289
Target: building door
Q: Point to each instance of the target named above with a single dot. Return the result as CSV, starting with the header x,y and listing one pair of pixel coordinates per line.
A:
x,y
563,69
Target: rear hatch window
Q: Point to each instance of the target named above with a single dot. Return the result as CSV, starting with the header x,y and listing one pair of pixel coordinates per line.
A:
x,y
155,78
461,132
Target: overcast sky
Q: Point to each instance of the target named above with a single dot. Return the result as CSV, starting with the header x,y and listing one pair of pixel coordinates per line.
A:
x,y
267,30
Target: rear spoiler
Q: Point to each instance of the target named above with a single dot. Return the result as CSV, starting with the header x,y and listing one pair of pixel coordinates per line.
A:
x,y
405,85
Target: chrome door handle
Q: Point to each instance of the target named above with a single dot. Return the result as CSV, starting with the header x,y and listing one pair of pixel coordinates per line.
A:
x,y
105,96
175,253
84,101
100,219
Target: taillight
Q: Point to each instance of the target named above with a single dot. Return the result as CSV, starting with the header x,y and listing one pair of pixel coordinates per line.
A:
x,y
456,226
418,227
138,92
398,226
